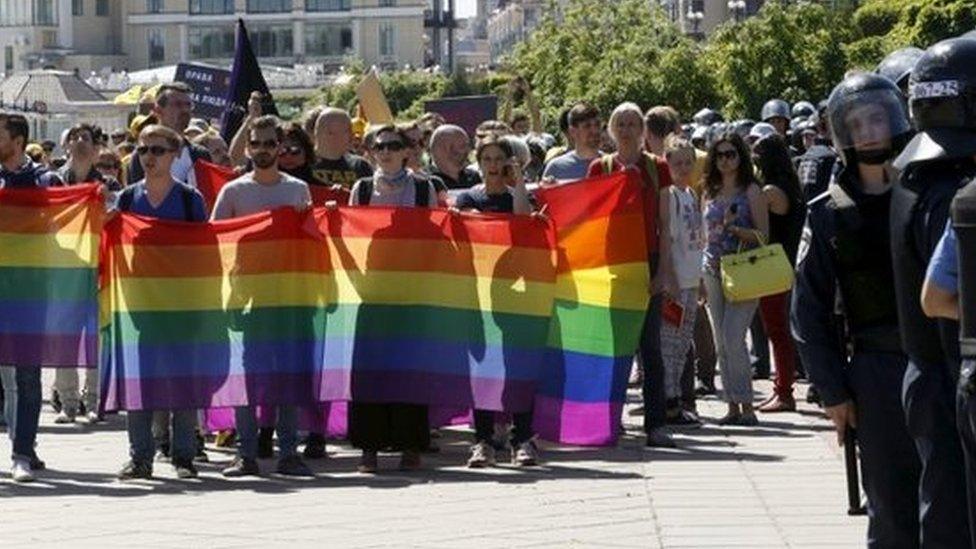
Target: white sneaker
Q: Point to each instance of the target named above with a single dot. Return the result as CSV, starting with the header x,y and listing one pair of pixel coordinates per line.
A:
x,y
21,471
526,454
482,455
93,418
64,417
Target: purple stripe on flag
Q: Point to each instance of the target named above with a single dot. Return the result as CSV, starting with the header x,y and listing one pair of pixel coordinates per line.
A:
x,y
579,423
49,350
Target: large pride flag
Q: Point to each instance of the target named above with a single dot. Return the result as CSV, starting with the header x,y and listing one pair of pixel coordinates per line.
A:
x,y
437,308
213,314
49,241
602,293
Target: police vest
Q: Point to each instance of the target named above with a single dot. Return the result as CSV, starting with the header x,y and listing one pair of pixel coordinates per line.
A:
x,y
964,223
863,270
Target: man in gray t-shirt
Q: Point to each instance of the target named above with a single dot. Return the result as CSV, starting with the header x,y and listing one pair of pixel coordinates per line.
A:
x,y
585,132
266,188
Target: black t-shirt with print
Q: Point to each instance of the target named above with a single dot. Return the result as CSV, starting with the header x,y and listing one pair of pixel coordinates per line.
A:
x,y
344,171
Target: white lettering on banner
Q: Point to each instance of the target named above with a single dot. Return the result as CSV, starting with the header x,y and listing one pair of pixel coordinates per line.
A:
x,y
197,75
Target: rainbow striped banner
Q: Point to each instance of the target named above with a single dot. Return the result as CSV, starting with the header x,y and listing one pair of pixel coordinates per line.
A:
x,y
49,241
601,299
218,314
437,308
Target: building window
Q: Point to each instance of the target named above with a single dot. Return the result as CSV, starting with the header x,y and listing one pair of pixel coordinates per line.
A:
x,y
326,5
387,3
45,12
101,8
268,6
77,7
272,40
8,59
211,7
211,42
328,40
387,39
154,6
157,47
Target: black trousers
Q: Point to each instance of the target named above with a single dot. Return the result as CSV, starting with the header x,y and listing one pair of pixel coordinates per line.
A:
x,y
652,363
889,464
484,427
929,397
966,422
399,427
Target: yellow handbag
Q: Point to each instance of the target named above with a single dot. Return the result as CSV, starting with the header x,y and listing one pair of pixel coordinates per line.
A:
x,y
756,273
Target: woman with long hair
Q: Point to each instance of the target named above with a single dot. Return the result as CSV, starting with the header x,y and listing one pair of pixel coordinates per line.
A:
x,y
736,217
787,210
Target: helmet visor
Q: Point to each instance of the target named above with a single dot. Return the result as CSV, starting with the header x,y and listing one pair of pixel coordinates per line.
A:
x,y
869,120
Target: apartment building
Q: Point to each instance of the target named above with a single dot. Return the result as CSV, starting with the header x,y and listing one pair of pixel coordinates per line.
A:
x,y
90,35
511,23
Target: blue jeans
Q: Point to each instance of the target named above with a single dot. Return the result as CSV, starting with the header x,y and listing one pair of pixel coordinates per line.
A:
x,y
22,407
141,443
247,431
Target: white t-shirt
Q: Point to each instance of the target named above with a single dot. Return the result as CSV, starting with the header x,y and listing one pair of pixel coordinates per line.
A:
x,y
687,241
182,168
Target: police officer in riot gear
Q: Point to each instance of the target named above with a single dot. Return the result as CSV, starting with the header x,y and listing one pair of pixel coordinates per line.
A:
x,y
938,161
858,367
777,113
707,117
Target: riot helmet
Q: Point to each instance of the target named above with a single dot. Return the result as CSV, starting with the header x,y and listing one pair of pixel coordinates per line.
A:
x,y
742,127
942,102
868,119
970,34
777,113
707,117
760,131
897,66
803,109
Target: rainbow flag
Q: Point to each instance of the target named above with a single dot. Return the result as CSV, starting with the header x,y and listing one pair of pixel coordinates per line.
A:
x,y
49,241
217,314
437,308
601,298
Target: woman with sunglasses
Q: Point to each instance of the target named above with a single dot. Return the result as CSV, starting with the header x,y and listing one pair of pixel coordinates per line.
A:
x,y
297,154
787,212
108,163
375,426
736,216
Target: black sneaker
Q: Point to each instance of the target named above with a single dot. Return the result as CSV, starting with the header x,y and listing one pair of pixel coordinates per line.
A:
x,y
683,418
314,446
201,456
813,397
37,464
265,443
56,402
185,469
135,470
242,467
293,466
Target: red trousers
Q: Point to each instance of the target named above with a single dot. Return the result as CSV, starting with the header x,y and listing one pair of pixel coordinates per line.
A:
x,y
774,311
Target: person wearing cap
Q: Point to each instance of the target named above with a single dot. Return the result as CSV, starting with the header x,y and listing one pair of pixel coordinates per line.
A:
x,y
935,164
759,131
173,109
856,362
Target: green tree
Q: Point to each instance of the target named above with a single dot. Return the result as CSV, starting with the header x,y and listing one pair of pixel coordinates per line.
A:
x,y
790,51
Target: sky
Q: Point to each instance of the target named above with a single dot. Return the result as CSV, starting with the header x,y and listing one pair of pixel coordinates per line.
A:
x,y
466,8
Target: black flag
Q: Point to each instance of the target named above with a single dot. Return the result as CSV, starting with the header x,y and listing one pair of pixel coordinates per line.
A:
x,y
245,77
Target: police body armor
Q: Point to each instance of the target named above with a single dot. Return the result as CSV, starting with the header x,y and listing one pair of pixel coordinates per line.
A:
x,y
863,276
964,223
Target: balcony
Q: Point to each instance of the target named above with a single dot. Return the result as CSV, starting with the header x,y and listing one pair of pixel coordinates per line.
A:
x,y
439,20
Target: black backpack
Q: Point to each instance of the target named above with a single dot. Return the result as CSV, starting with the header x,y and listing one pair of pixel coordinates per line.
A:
x,y
128,195
421,191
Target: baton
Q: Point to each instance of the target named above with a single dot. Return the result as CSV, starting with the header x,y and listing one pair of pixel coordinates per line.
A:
x,y
854,505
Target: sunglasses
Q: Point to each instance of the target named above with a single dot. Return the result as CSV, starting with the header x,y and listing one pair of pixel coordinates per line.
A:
x,y
728,155
266,144
155,150
392,146
291,151
107,166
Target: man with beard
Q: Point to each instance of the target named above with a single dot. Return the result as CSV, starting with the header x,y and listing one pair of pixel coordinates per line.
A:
x,y
265,188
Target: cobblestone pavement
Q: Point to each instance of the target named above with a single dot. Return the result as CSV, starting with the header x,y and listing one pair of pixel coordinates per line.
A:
x,y
777,485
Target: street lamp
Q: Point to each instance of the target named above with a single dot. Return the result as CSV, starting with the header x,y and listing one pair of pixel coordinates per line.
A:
x,y
695,18
738,9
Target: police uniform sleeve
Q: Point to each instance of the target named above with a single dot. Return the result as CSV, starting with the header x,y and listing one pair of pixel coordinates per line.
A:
x,y
943,268
812,318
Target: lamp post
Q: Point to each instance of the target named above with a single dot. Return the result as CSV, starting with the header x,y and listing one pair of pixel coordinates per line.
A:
x,y
738,9
695,18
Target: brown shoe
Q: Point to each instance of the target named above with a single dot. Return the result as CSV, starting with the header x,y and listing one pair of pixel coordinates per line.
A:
x,y
410,461
368,464
777,404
